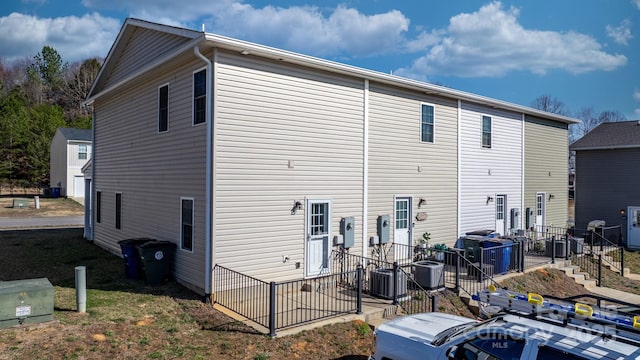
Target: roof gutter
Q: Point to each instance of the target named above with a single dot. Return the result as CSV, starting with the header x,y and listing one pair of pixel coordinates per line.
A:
x,y
208,179
247,48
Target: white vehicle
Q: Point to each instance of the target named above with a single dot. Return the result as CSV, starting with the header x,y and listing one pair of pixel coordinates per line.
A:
x,y
533,329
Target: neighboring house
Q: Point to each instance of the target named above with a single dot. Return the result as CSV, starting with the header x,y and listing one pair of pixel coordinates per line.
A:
x,y
70,151
606,179
250,157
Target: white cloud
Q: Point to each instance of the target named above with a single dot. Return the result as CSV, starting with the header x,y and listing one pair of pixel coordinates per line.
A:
x,y
636,3
75,38
636,95
621,33
309,29
491,43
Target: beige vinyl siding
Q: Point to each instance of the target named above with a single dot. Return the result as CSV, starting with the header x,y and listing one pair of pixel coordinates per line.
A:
x,y
145,46
546,168
268,116
489,171
396,154
151,170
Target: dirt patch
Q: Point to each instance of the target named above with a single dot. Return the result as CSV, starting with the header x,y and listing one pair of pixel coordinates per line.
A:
x,y
48,207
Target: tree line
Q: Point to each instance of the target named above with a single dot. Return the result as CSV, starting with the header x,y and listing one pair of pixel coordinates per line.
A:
x,y
37,96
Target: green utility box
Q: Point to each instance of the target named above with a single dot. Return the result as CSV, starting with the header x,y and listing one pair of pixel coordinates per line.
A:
x,y
20,203
25,302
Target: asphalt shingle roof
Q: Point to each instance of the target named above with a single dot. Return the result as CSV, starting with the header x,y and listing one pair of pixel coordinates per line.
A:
x,y
76,134
610,135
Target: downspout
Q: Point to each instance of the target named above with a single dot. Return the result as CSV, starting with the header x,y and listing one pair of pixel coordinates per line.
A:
x,y
92,209
459,187
208,180
365,169
522,174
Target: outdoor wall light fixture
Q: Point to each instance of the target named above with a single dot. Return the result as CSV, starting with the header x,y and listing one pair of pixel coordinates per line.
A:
x,y
489,199
551,196
422,201
297,205
622,212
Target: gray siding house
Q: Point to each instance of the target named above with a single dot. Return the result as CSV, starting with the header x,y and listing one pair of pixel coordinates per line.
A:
x,y
606,186
250,157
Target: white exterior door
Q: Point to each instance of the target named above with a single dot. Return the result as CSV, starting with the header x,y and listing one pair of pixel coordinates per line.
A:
x,y
318,228
501,214
541,210
633,227
402,228
78,186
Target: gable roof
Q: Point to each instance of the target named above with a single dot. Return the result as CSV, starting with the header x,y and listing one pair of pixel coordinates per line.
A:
x,y
71,134
205,41
610,135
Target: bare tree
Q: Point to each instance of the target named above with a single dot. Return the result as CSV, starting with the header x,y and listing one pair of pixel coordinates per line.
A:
x,y
78,79
550,104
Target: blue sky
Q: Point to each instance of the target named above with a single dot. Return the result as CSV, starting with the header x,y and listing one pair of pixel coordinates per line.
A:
x,y
584,53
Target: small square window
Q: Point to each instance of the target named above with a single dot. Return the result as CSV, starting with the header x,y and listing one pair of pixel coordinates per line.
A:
x,y
82,152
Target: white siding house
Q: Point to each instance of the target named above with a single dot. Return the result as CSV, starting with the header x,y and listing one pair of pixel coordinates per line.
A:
x,y
249,157
70,151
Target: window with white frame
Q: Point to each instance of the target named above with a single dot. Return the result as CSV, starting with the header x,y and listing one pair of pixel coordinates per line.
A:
x,y
486,131
82,151
200,97
163,108
426,123
186,221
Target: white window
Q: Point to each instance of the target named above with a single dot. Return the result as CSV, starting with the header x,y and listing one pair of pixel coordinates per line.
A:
x,y
200,97
426,123
486,131
82,152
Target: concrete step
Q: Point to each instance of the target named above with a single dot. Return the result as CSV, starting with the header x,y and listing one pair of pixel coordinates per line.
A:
x,y
382,315
579,277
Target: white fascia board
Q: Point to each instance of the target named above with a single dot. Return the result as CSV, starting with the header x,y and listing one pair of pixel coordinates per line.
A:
x,y
159,61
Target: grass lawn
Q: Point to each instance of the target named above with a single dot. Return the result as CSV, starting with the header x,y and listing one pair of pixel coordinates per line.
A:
x,y
127,319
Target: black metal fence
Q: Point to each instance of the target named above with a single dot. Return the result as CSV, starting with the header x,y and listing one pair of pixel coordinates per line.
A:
x,y
394,272
278,305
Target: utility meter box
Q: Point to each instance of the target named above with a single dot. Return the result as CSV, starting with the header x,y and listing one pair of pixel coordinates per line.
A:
x,y
530,220
515,218
347,230
383,228
25,302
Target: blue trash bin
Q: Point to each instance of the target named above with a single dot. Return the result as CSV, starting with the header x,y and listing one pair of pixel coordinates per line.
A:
x,y
498,254
132,262
55,192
